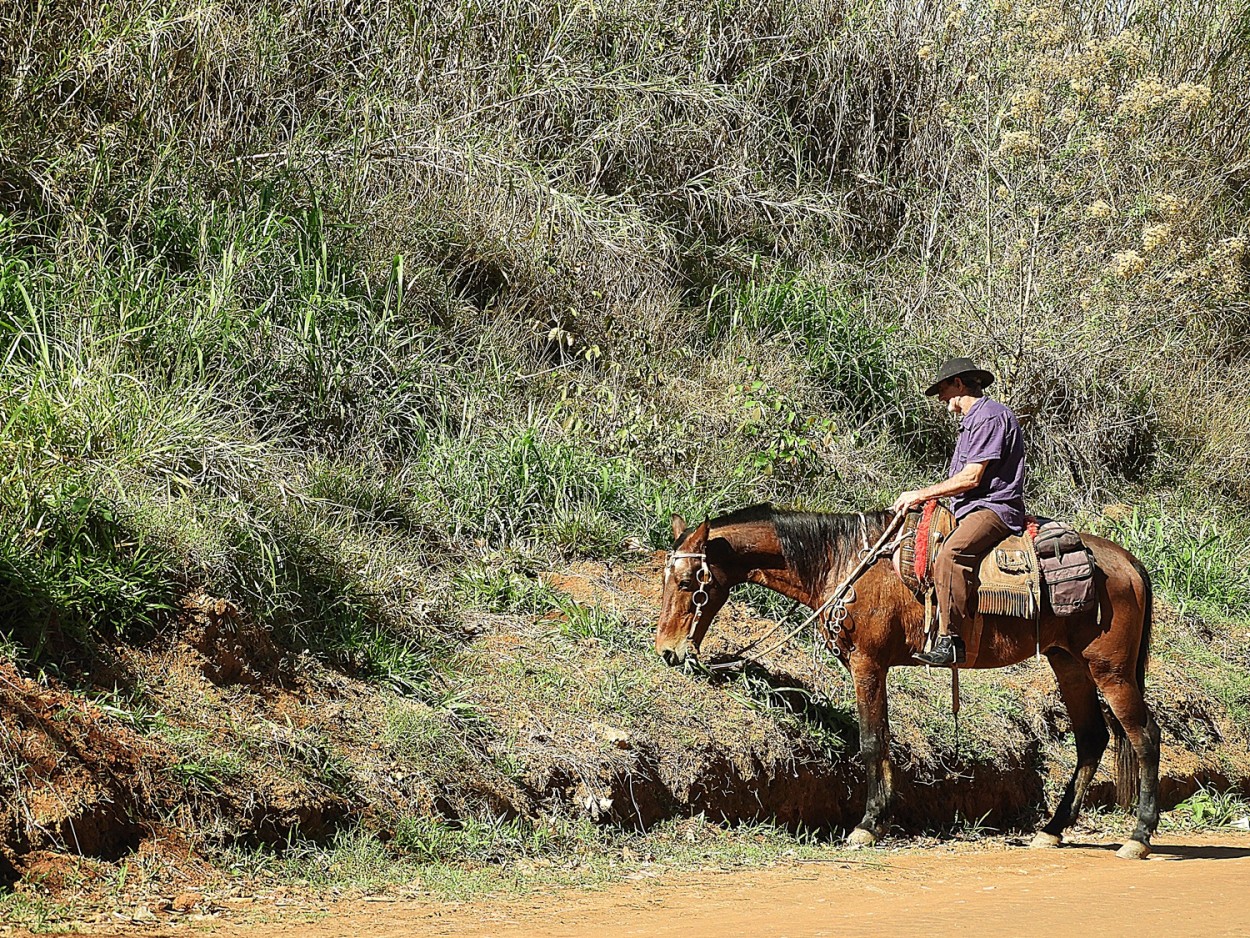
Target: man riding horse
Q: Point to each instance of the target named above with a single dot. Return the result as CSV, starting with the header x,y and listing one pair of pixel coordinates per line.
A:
x,y
874,621
986,482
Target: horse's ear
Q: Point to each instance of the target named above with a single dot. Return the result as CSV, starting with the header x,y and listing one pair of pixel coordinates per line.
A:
x,y
699,538
679,526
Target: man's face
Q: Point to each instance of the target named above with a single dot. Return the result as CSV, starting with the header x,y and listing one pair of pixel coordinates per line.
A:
x,y
951,392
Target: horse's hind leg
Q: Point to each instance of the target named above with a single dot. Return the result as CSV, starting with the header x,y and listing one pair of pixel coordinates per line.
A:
x,y
1129,706
1080,697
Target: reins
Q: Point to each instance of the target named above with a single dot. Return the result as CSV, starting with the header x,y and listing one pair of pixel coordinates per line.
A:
x,y
843,594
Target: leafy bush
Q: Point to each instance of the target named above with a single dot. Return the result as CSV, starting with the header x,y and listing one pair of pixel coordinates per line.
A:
x,y
1207,808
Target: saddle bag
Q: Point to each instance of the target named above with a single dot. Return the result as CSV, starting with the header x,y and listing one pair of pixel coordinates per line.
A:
x,y
1067,569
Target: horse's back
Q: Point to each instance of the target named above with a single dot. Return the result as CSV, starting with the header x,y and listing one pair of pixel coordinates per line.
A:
x,y
1122,570
1107,636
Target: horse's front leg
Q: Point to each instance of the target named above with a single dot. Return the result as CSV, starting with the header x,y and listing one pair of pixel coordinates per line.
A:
x,y
874,747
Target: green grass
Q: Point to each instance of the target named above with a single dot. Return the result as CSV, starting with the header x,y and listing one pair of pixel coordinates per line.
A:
x,y
413,731
1207,668
1196,558
595,622
494,586
848,356
1207,809
433,857
73,559
131,707
40,914
491,840
466,860
204,762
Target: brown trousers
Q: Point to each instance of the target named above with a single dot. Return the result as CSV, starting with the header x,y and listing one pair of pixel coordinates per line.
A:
x,y
955,569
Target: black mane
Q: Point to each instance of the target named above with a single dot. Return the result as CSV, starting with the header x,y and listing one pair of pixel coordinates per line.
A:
x,y
815,544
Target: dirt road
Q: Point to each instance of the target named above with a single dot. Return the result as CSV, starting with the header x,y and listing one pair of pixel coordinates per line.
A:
x,y
1190,886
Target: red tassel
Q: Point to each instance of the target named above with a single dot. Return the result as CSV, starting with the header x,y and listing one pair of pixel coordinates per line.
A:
x,y
922,540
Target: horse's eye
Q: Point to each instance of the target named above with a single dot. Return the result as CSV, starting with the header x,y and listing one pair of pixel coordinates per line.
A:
x,y
687,584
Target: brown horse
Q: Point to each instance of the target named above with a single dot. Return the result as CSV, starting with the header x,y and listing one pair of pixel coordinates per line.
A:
x,y
805,555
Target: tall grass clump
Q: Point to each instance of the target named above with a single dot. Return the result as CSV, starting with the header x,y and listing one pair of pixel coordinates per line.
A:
x,y
74,573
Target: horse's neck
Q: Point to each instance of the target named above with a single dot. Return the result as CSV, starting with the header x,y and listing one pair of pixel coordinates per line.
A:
x,y
761,560
788,583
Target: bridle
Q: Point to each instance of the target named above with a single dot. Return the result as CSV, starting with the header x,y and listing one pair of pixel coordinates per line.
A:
x,y
703,576
835,605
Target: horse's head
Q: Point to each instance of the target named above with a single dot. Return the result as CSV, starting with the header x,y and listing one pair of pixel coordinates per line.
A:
x,y
696,585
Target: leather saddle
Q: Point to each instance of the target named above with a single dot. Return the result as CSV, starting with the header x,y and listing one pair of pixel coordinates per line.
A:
x,y
1008,578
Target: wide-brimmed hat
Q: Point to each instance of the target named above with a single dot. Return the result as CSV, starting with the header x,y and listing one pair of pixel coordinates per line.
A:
x,y
954,368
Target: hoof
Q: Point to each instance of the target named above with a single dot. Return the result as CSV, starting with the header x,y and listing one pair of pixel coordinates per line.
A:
x,y
1133,850
861,838
1044,841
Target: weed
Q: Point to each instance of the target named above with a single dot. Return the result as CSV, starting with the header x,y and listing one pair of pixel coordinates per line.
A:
x,y
1208,808
204,764
698,841
199,775
964,828
1222,680
622,691
490,840
495,587
412,730
466,858
594,622
131,707
39,914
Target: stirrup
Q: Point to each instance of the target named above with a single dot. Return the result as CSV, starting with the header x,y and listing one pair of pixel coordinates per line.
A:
x,y
947,650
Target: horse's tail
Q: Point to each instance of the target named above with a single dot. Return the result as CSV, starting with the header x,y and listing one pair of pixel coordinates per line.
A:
x,y
1127,775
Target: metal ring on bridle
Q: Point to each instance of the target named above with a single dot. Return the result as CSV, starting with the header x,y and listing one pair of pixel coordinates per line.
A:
x,y
703,575
700,597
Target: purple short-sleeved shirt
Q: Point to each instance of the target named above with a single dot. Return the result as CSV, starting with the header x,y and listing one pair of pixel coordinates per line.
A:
x,y
989,433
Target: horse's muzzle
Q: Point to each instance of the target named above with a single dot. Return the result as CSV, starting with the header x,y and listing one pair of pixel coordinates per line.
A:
x,y
674,649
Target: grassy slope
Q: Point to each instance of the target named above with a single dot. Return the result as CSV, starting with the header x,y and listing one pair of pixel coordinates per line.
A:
x,y
360,323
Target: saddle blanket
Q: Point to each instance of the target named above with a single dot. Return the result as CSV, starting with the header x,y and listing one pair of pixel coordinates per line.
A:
x,y
1010,584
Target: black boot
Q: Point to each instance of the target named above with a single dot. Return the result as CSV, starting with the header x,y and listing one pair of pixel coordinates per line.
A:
x,y
947,650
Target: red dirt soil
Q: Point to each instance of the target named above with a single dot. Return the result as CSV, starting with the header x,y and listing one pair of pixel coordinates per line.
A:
x,y
1192,885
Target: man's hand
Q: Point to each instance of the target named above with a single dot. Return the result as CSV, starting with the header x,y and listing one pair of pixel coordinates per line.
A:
x,y
908,500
